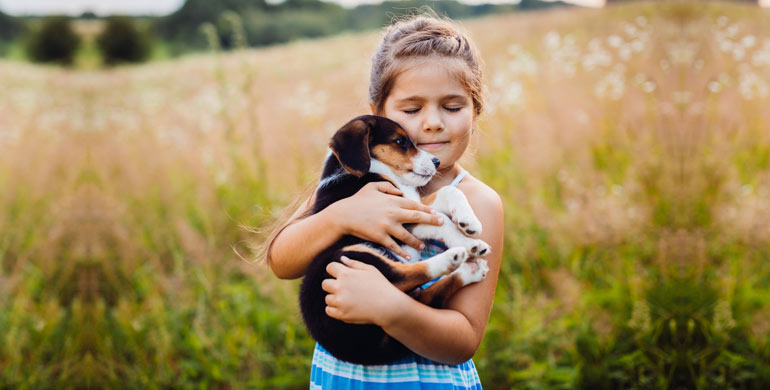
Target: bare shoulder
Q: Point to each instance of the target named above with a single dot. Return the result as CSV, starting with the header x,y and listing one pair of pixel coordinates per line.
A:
x,y
483,199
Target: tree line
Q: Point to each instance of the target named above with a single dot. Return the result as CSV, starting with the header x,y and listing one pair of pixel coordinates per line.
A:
x,y
223,24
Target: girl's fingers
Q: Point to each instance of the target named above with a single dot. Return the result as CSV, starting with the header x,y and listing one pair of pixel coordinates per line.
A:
x,y
352,263
412,205
330,286
333,312
335,269
409,239
414,216
389,243
388,188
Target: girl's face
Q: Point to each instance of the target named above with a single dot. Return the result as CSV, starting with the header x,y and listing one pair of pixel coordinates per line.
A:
x,y
430,103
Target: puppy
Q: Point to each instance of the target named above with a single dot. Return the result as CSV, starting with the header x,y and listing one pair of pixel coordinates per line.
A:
x,y
372,148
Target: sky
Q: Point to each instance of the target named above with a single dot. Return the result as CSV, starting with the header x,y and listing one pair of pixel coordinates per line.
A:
x,y
159,7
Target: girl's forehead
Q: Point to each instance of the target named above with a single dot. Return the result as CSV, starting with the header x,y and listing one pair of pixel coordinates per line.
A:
x,y
427,77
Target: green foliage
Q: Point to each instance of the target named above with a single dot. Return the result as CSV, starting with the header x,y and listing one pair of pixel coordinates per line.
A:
x,y
53,41
10,29
123,41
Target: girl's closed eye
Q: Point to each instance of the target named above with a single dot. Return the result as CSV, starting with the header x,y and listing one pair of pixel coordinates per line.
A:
x,y
411,110
453,109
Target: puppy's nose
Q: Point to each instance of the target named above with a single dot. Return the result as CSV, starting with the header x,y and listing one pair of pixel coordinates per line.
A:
x,y
436,162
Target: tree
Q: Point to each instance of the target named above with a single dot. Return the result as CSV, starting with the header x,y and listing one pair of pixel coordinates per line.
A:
x,y
122,41
54,41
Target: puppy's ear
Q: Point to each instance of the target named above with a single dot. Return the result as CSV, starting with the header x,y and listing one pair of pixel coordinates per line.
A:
x,y
350,145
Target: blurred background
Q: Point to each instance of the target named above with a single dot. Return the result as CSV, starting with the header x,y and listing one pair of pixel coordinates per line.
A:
x,y
144,144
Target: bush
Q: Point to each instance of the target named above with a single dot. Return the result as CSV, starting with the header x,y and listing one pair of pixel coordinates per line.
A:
x,y
54,41
122,41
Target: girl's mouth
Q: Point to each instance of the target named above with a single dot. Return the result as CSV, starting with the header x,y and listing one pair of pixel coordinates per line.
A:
x,y
432,146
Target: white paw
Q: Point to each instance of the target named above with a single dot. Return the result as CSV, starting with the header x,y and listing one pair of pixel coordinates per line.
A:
x,y
466,221
472,271
478,248
447,261
456,256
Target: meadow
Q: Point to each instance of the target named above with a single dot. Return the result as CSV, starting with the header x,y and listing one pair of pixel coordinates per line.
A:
x,y
631,147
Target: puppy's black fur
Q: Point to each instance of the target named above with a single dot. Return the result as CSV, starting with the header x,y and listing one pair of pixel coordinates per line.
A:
x,y
361,344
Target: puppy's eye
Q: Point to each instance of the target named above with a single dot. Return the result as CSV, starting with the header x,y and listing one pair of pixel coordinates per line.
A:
x,y
401,142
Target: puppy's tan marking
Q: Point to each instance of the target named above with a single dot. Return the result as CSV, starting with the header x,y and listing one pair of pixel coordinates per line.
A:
x,y
410,275
394,157
438,293
428,200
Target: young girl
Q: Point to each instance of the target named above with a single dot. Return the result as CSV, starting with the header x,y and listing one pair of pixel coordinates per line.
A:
x,y
426,75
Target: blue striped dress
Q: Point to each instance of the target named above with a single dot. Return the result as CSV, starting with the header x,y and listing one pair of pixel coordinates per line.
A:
x,y
411,373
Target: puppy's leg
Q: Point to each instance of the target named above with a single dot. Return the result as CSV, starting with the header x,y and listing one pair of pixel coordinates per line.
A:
x,y
409,276
437,295
451,201
451,237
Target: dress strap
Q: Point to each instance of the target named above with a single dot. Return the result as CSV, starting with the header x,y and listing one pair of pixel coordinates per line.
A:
x,y
458,178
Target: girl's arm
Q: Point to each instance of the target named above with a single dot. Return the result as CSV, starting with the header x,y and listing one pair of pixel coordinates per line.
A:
x,y
375,213
360,294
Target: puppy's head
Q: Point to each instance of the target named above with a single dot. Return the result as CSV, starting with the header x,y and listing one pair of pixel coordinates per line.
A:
x,y
376,144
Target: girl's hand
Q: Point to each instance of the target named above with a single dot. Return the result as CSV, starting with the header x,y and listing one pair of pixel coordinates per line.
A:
x,y
377,213
359,293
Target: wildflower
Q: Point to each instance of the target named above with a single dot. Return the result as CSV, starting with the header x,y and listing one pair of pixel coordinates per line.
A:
x,y
698,64
612,86
522,62
752,86
552,40
682,97
681,53
722,21
640,317
748,41
723,317
648,86
738,53
596,56
715,86
614,41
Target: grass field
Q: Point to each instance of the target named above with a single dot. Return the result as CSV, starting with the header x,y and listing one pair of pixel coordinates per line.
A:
x,y
631,146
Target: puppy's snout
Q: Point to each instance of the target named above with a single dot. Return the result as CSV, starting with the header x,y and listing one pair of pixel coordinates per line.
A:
x,y
436,162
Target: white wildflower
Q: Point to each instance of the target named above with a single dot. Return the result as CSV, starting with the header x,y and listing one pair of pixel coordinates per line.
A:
x,y
748,41
614,41
722,21
648,87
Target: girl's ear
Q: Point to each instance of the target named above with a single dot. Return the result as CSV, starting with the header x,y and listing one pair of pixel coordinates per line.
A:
x,y
350,145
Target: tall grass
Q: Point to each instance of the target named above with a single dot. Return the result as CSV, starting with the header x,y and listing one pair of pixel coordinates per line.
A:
x,y
630,146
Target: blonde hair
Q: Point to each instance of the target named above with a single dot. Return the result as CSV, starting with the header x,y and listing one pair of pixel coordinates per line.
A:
x,y
420,37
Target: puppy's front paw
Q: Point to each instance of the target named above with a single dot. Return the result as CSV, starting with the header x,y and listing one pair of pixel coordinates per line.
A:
x,y
466,221
473,270
447,261
457,255
479,248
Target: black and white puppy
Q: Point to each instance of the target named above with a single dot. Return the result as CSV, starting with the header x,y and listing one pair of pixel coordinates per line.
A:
x,y
372,148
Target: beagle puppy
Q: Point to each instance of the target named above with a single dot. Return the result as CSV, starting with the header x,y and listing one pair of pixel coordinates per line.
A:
x,y
372,148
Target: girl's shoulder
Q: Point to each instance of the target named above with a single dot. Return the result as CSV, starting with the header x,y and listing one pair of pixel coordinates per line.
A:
x,y
483,198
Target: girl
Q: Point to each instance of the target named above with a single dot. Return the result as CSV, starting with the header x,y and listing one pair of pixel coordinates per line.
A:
x,y
426,75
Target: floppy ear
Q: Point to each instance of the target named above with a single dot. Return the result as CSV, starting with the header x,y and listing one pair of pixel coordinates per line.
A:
x,y
350,145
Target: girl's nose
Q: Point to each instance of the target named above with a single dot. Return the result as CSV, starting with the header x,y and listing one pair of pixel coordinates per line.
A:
x,y
432,120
